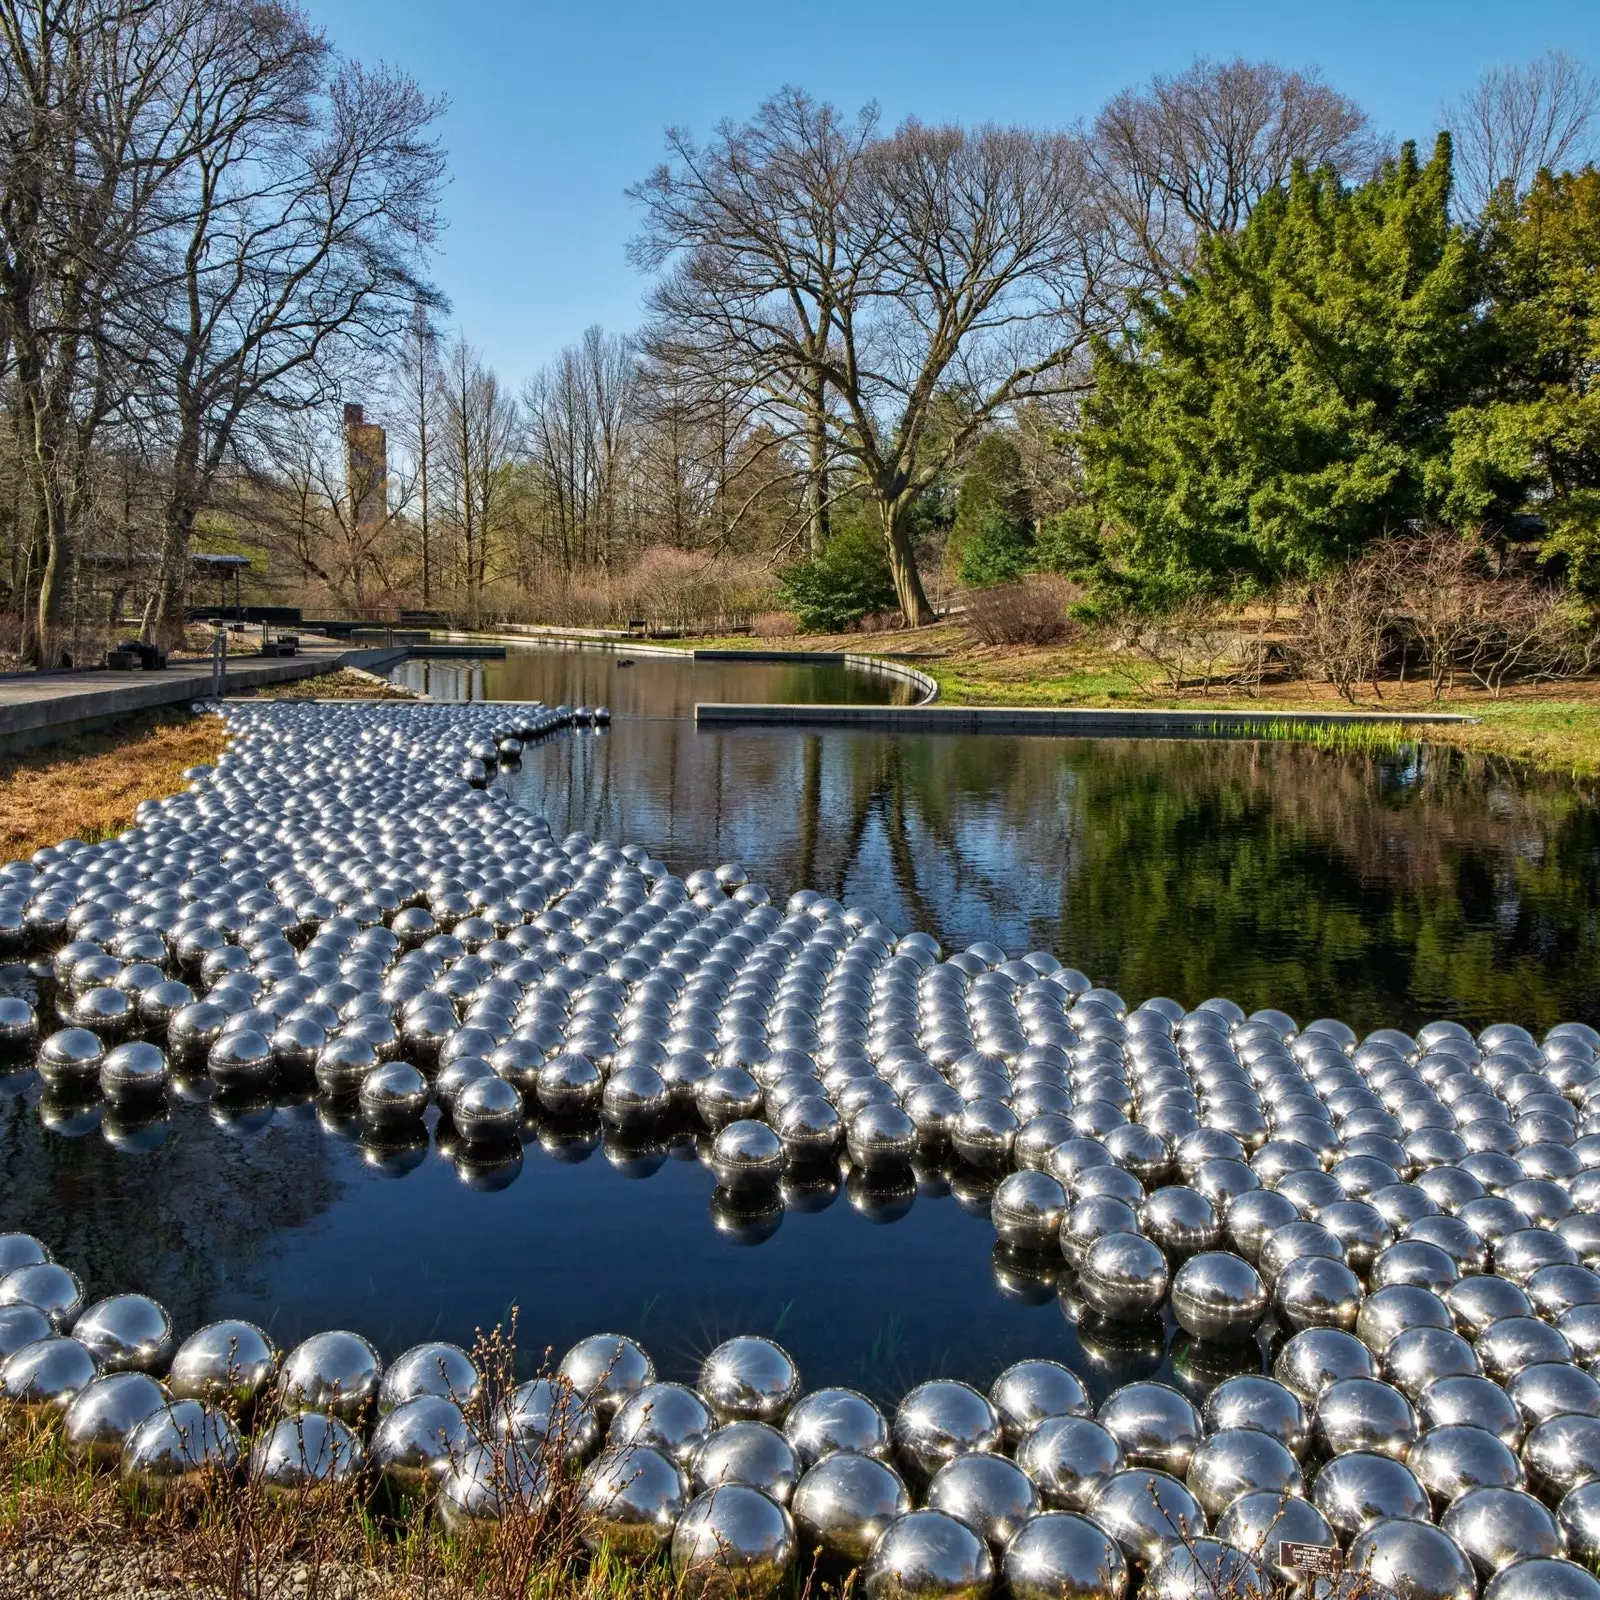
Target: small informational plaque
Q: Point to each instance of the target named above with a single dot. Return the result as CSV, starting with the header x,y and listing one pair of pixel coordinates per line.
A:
x,y
1315,1560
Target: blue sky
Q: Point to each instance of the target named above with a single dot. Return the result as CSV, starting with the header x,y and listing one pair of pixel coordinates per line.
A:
x,y
556,109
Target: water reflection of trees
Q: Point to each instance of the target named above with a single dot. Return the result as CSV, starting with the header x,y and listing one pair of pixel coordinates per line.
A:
x,y
199,1211
1381,887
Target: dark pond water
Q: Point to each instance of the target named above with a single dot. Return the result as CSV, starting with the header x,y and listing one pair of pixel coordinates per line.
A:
x,y
1383,889
649,685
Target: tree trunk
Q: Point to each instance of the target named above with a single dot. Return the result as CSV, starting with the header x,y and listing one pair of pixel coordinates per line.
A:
x,y
178,528
908,589
816,470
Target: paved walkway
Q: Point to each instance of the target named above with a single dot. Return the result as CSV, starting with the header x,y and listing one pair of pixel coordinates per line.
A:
x,y
34,706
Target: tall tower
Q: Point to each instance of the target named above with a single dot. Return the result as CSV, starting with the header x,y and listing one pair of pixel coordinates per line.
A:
x,y
366,470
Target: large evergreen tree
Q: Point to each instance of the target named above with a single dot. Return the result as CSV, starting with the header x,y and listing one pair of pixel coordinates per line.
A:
x,y
1289,401
1534,445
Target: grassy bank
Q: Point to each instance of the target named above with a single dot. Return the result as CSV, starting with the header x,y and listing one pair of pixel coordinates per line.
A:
x,y
86,784
1553,726
72,1532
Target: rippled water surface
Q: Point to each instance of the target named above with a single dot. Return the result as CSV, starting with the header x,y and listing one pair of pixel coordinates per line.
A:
x,y
1383,889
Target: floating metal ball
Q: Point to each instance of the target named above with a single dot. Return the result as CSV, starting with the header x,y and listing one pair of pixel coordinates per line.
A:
x,y
483,1486
1069,1458
1504,1347
1452,1459
752,1453
984,1132
1154,1425
1356,1414
604,1370
180,1449
1028,1209
829,1420
303,1452
1561,1453
1410,1559
70,1059
749,1378
745,1155
417,1441
242,1058
635,1096
1240,1461
733,1543
1356,1490
1318,1292
1029,1391
666,1416
927,1555
569,1084
1253,1216
1447,1402
1124,1276
19,1025
1542,1580
47,1374
1498,1525
1579,1517
1260,1523
1251,1401
1180,1220
393,1095
1059,1556
1147,1512
1218,1296
1312,1360
103,1413
1419,1356
488,1110
443,1370
631,1501
810,1127
335,1372
548,1416
20,1250
844,1502
230,1362
943,1419
126,1333
989,1493
1479,1301
880,1136
21,1325
48,1285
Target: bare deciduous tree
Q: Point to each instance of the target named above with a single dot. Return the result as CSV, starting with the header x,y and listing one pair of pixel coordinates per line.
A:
x,y
1517,120
478,432
940,277
297,240
1190,156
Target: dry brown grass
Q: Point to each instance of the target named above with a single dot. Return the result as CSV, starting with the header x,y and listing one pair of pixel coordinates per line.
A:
x,y
86,785
69,1532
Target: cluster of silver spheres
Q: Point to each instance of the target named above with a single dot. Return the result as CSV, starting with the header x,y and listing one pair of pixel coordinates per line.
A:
x,y
1407,1226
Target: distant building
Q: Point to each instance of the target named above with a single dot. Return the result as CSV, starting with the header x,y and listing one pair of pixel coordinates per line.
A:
x,y
366,469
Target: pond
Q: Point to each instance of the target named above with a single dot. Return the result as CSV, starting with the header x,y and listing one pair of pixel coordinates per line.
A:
x,y
1382,888
1378,888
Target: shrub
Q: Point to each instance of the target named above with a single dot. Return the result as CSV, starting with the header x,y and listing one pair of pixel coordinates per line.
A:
x,y
1437,598
774,624
850,579
999,548
1030,612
